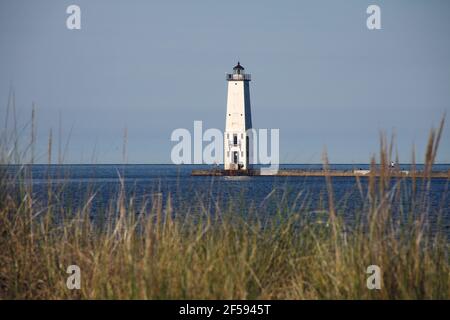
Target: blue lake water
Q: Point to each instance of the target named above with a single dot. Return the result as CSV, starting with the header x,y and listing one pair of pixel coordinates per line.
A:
x,y
266,194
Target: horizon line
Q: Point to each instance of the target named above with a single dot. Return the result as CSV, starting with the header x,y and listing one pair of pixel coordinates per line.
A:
x,y
205,164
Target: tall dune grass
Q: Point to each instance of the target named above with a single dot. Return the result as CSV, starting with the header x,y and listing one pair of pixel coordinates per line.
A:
x,y
164,254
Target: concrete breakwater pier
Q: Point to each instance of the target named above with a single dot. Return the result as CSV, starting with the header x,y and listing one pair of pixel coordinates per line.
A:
x,y
320,173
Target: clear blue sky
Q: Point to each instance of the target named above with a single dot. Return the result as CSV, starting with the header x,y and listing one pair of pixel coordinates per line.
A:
x,y
319,75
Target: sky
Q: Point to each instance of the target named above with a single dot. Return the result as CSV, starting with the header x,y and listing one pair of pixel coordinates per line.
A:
x,y
319,75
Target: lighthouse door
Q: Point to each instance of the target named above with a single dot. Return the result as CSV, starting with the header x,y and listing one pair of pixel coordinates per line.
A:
x,y
235,157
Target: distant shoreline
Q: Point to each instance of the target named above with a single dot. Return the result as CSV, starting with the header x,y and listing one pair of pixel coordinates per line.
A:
x,y
324,173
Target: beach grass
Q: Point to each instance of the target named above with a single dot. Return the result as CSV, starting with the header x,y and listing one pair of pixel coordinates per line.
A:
x,y
164,254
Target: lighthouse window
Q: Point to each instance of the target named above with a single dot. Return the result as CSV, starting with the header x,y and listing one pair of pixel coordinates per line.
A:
x,y
228,136
235,139
242,136
242,153
235,157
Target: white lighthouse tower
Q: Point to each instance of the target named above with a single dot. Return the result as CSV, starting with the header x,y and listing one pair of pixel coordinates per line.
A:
x,y
238,120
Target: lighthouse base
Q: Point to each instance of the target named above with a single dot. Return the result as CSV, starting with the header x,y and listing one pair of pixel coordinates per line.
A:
x,y
221,172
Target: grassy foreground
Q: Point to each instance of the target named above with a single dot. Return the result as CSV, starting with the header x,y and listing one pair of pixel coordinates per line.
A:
x,y
162,254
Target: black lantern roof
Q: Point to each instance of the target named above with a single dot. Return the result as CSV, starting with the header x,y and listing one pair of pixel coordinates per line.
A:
x,y
238,67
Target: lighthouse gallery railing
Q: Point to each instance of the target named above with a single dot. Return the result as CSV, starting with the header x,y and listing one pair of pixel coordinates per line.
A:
x,y
239,77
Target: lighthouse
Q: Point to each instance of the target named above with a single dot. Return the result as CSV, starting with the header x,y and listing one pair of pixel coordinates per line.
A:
x,y
238,120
